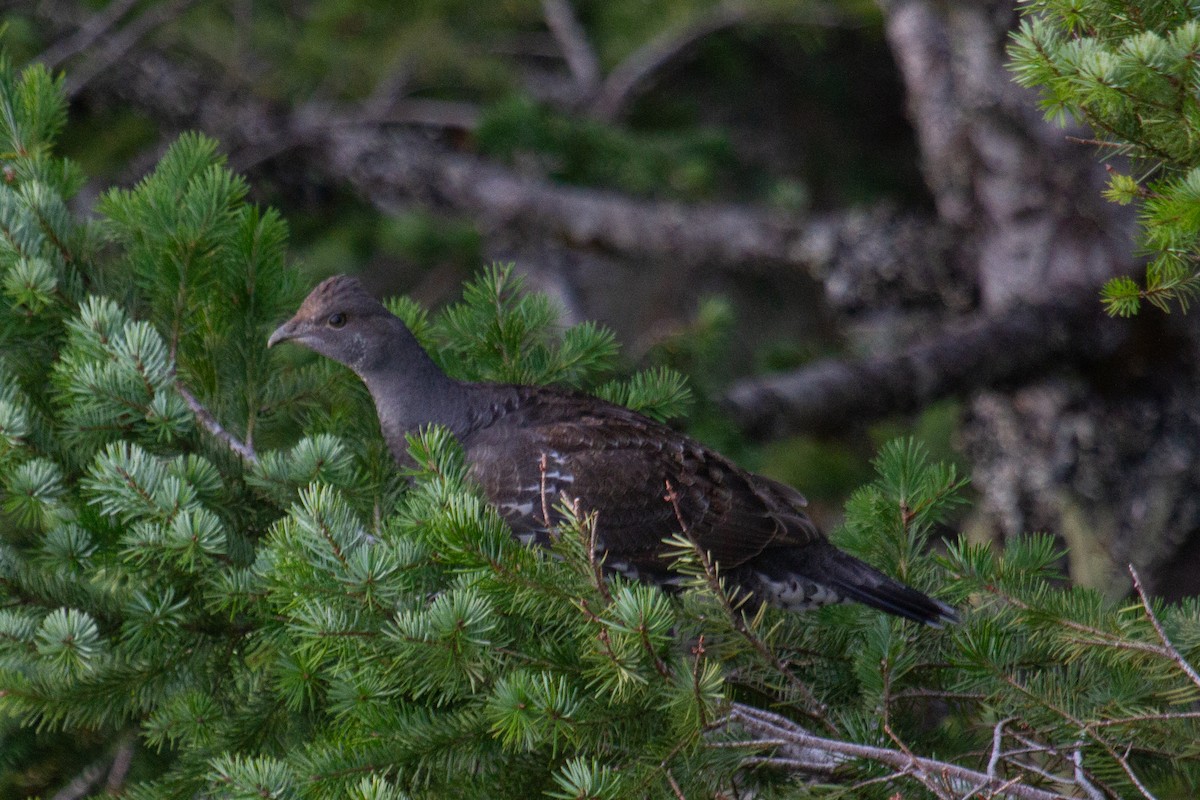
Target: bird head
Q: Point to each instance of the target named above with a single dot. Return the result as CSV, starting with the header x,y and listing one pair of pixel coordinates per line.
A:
x,y
340,320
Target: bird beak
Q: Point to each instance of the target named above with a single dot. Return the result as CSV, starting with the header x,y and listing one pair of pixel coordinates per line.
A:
x,y
283,333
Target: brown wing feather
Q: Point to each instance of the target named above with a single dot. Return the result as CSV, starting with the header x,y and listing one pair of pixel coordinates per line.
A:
x,y
614,459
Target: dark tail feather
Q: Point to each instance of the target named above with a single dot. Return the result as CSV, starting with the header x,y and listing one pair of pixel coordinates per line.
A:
x,y
856,580
863,583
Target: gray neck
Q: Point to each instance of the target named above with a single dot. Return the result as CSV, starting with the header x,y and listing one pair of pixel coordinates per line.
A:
x,y
410,391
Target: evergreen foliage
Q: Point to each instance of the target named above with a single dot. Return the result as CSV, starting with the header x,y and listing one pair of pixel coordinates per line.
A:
x,y
1128,71
210,569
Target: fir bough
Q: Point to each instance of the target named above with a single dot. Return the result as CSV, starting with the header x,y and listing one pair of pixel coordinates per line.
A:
x,y
1127,70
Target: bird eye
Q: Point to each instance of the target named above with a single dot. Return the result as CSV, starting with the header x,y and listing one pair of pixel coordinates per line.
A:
x,y
337,320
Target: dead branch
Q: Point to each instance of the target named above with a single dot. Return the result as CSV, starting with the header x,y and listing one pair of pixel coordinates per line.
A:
x,y
637,72
573,41
1168,649
773,726
634,73
965,355
91,30
393,168
115,44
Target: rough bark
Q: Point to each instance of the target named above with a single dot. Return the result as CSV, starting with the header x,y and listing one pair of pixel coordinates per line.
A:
x,y
1025,197
964,356
1100,456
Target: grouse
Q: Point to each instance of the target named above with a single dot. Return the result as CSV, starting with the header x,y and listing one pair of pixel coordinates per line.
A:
x,y
645,480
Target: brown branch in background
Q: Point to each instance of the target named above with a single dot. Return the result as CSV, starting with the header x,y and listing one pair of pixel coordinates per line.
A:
x,y
82,783
89,32
636,73
965,355
115,763
392,169
122,761
632,75
573,41
121,42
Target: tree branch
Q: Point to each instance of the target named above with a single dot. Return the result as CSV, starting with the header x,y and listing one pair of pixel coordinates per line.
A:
x,y
1168,648
210,424
114,44
392,169
97,26
572,40
773,726
965,355
632,74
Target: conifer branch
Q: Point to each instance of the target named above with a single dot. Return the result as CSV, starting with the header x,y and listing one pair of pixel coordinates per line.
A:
x,y
733,608
1168,648
1085,727
210,424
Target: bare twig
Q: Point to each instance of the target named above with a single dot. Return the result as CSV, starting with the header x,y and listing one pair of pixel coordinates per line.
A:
x,y
576,49
1136,718
210,424
1169,648
632,74
675,788
122,761
121,42
698,656
756,719
1096,142
115,763
594,559
92,29
1081,777
997,747
1127,768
